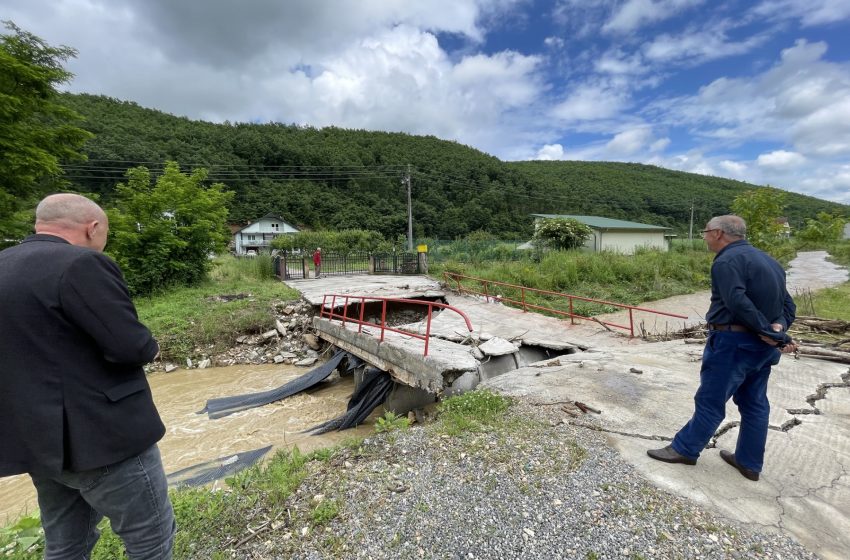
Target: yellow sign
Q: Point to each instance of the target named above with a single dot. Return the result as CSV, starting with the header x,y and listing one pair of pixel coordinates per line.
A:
x,y
422,248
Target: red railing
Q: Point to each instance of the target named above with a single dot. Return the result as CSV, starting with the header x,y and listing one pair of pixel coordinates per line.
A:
x,y
329,312
490,294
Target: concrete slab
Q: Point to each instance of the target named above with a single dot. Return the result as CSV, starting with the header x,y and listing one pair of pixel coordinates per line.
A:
x,y
493,319
645,394
401,355
314,289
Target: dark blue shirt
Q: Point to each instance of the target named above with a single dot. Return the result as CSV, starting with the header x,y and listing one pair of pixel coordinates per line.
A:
x,y
748,288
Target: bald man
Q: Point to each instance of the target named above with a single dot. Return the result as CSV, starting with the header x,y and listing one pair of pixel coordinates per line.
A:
x,y
748,317
76,411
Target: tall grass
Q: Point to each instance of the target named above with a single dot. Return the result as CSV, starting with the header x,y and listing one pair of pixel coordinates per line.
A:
x,y
190,321
628,279
227,268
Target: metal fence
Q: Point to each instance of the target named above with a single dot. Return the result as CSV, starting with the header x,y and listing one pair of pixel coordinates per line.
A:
x,y
290,267
396,263
338,264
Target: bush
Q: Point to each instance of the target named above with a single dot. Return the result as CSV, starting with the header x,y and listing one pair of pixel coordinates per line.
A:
x,y
162,235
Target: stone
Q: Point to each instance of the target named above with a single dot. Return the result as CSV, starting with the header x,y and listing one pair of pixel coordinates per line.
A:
x,y
281,328
497,347
288,310
312,341
269,334
306,362
205,363
278,359
189,363
478,354
242,339
169,368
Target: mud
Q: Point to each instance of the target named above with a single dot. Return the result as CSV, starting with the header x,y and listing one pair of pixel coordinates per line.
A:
x,y
193,438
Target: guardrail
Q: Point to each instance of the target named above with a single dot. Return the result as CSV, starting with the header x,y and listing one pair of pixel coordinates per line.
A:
x,y
489,294
329,307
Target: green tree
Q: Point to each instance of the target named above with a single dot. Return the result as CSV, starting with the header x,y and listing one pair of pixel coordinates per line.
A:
x,y
36,132
761,209
163,235
343,241
823,229
562,233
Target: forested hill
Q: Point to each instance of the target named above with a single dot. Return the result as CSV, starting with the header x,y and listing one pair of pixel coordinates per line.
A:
x,y
338,178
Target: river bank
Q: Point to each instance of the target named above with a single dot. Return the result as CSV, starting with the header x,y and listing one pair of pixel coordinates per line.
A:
x,y
528,485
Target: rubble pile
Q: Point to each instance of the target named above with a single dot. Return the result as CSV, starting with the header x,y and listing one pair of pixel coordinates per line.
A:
x,y
290,342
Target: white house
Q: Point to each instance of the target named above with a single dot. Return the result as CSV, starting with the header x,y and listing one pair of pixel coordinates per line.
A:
x,y
618,235
257,236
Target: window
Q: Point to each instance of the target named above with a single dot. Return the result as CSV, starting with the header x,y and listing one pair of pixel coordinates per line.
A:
x,y
251,238
275,226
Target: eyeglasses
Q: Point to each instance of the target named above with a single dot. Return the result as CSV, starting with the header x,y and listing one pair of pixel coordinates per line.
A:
x,y
703,232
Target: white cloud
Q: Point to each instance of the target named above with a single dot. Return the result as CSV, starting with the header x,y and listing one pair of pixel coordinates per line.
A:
x,y
550,152
734,168
810,12
553,42
659,145
630,141
697,46
634,14
781,159
803,101
590,102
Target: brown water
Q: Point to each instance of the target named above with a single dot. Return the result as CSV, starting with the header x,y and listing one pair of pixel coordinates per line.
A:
x,y
193,438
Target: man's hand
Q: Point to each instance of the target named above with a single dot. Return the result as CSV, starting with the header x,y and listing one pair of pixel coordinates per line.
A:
x,y
786,348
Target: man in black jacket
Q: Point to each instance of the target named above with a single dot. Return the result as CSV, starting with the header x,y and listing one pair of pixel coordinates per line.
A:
x,y
749,315
76,412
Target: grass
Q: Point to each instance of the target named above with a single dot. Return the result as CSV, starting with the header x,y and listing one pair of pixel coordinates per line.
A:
x,y
627,279
471,411
829,303
390,422
191,321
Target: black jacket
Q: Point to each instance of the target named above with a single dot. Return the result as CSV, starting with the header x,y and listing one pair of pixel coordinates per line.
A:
x,y
748,288
73,394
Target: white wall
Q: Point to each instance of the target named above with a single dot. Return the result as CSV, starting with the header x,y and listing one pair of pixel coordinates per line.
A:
x,y
263,231
626,242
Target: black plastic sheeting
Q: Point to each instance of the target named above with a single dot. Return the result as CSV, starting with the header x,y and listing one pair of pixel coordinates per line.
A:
x,y
204,473
224,406
372,392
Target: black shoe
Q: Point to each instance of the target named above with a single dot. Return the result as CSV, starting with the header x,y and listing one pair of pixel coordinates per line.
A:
x,y
670,455
730,458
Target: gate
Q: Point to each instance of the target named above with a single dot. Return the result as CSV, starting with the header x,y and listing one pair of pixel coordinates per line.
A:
x,y
397,263
289,267
339,264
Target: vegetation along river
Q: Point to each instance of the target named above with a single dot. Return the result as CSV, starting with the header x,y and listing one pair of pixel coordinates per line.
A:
x,y
193,438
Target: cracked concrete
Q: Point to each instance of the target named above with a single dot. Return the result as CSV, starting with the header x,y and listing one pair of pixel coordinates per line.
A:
x,y
645,392
803,491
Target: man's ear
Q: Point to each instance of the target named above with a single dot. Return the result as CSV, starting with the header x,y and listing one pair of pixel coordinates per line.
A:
x,y
91,228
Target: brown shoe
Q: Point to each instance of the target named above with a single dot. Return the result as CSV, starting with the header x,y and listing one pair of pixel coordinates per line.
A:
x,y
670,455
730,458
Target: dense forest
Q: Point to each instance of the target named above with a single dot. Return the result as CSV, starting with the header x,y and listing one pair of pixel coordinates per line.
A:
x,y
339,178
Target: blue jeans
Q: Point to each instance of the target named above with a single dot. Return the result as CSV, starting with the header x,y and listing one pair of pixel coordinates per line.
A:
x,y
133,494
736,365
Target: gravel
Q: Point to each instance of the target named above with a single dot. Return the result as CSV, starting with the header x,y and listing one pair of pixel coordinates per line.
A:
x,y
532,487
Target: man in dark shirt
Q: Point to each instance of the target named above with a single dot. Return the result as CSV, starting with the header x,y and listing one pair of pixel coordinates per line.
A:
x,y
749,315
76,411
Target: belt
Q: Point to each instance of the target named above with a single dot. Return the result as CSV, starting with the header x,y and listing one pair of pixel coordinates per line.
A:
x,y
727,327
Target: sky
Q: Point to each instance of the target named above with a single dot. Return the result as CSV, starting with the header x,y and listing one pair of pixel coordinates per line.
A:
x,y
755,90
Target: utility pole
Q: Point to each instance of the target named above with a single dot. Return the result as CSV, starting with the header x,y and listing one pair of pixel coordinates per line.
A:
x,y
409,211
691,231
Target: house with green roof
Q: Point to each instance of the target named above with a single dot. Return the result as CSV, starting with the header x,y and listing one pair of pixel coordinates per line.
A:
x,y
619,236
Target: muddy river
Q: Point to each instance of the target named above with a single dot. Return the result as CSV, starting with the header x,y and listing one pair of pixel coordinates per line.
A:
x,y
192,438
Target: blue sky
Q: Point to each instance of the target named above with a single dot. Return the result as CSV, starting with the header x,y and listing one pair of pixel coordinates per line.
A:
x,y
754,90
